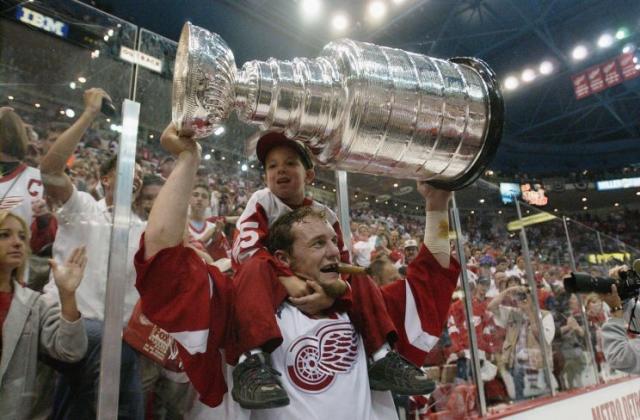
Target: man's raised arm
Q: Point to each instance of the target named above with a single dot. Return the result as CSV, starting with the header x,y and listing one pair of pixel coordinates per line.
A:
x,y
57,184
436,229
168,217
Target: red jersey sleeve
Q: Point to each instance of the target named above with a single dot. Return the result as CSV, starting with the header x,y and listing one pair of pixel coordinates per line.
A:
x,y
191,300
253,230
419,305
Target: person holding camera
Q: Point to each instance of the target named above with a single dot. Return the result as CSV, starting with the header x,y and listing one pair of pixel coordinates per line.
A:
x,y
622,352
520,362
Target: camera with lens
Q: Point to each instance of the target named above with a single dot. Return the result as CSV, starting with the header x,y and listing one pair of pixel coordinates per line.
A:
x,y
628,285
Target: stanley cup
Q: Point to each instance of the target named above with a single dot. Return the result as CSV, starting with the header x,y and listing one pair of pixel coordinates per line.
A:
x,y
358,107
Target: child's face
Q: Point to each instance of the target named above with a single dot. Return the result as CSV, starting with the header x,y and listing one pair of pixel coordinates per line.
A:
x,y
286,176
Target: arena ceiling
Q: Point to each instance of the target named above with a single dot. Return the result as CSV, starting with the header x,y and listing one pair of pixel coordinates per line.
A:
x,y
547,131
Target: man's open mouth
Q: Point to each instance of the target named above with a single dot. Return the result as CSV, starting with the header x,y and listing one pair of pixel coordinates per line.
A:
x,y
330,268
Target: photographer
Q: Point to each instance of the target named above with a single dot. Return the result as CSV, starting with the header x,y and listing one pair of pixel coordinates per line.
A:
x,y
622,352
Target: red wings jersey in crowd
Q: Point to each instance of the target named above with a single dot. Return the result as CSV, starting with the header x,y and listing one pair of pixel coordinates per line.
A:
x,y
218,246
18,189
262,210
489,335
197,313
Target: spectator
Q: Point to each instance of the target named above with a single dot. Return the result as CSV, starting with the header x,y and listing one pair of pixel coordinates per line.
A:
x,y
32,324
151,185
362,247
82,219
410,250
521,358
20,184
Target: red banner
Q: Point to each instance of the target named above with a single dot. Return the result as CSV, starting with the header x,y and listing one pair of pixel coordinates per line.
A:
x,y
605,75
627,66
596,81
611,73
581,86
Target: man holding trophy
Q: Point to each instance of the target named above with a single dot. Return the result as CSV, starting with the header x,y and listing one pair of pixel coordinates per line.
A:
x,y
358,107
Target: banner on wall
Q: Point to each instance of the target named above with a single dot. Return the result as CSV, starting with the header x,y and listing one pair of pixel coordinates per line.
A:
x,y
604,75
612,401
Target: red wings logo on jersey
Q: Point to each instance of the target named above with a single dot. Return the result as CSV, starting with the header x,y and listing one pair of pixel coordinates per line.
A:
x,y
313,361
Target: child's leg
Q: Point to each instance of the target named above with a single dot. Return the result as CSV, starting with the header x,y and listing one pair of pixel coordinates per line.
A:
x,y
257,294
388,370
369,315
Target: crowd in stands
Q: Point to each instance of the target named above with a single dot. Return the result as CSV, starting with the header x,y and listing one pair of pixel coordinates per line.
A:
x,y
506,324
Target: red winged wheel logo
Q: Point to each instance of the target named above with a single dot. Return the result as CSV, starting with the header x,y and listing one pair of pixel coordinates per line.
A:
x,y
313,361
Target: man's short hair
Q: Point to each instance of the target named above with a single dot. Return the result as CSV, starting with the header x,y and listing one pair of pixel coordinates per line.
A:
x,y
110,164
204,187
152,179
280,235
13,135
377,265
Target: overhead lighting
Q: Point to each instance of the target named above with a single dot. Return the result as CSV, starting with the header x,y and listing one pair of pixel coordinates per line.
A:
x,y
244,167
528,75
473,212
62,112
110,32
11,98
580,52
377,9
82,79
150,136
481,201
207,156
555,210
584,199
398,1
106,38
340,22
628,48
395,185
605,40
72,85
223,158
637,192
489,172
546,67
108,120
218,131
511,83
95,53
499,211
616,204
585,208
622,33
69,112
310,8
37,105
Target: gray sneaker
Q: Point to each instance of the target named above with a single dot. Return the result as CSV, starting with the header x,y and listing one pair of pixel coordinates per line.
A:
x,y
256,384
396,374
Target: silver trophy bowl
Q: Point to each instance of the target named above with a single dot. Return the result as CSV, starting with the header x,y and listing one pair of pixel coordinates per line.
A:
x,y
358,107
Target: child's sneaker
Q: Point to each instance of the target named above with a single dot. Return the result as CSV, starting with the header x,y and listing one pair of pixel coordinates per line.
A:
x,y
256,384
396,374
